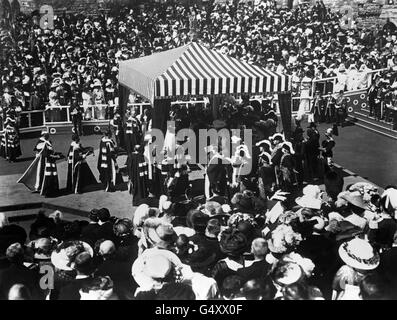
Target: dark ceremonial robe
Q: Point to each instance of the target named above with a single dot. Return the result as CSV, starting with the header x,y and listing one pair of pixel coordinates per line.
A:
x,y
42,175
138,176
10,147
79,173
107,165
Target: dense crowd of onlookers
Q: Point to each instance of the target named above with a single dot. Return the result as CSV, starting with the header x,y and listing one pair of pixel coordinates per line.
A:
x,y
77,61
271,234
320,245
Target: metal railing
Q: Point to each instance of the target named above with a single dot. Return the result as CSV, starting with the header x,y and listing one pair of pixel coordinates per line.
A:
x,y
31,120
58,115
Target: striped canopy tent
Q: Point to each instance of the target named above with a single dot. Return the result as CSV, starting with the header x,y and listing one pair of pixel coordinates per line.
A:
x,y
194,70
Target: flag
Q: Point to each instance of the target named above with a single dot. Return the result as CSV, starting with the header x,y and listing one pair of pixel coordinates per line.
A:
x,y
357,101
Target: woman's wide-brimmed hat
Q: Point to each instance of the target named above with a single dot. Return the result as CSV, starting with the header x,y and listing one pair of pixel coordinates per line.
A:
x,y
63,258
359,254
42,248
355,198
291,274
154,265
309,202
311,198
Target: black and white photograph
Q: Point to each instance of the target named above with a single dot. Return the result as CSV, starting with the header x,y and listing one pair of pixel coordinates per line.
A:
x,y
213,150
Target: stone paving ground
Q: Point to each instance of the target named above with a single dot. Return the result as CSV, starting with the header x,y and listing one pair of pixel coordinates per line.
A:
x,y
365,153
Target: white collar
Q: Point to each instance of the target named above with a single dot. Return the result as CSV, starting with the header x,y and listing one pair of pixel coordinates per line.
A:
x,y
233,265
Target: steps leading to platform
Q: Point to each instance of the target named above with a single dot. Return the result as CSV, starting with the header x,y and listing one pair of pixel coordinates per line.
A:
x,y
363,120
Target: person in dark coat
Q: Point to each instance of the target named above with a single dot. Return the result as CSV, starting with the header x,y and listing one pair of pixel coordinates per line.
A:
x,y
151,200
266,176
79,173
322,250
259,267
233,244
133,131
333,184
383,227
312,151
17,273
90,233
218,172
118,269
387,267
105,230
371,98
77,116
10,144
208,252
287,168
138,175
84,268
9,234
326,147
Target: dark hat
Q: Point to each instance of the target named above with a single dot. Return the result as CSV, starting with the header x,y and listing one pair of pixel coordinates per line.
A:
x,y
233,242
197,220
93,215
354,198
122,227
14,252
103,214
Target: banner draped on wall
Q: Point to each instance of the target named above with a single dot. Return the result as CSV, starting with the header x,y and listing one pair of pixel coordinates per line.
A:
x,y
286,113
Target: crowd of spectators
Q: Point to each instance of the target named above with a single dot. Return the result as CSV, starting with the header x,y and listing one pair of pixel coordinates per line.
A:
x,y
313,247
77,61
271,235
